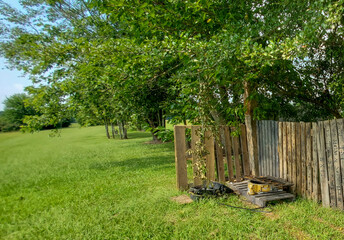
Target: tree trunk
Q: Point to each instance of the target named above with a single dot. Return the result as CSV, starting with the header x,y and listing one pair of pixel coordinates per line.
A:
x,y
120,129
113,130
107,129
124,130
251,128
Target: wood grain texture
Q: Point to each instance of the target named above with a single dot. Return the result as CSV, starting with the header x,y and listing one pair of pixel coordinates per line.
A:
x,y
280,148
315,165
238,170
298,157
303,159
336,163
309,159
194,139
285,151
340,127
220,163
210,158
330,164
228,149
180,157
289,157
244,150
325,192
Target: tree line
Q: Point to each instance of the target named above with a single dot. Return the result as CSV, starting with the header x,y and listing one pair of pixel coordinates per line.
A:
x,y
208,62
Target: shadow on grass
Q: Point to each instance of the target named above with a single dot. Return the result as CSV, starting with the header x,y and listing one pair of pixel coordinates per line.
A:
x,y
156,163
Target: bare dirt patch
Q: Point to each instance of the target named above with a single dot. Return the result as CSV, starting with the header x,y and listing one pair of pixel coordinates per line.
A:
x,y
182,199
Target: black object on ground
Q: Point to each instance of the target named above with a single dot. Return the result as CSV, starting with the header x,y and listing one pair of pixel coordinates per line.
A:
x,y
213,189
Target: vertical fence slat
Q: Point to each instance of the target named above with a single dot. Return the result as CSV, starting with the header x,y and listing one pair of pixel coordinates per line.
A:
x,y
330,165
309,159
298,157
341,149
289,151
285,147
303,159
273,149
244,150
219,162
194,139
315,165
293,158
280,148
325,193
180,157
336,163
277,171
210,158
263,141
228,149
269,143
237,158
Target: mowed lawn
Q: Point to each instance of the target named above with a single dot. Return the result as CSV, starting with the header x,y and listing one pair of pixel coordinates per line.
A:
x,y
84,186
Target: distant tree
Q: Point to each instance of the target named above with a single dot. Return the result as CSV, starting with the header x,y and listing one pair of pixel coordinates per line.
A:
x,y
15,108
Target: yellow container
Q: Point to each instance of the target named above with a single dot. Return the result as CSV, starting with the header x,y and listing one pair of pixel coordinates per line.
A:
x,y
254,188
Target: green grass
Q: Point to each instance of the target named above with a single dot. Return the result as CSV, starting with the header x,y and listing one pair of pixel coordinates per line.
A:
x,y
84,186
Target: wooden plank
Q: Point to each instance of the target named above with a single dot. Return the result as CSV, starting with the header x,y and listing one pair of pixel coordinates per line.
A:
x,y
289,158
309,159
210,158
315,165
285,150
180,157
340,127
245,159
195,138
325,192
276,149
280,148
220,163
303,159
237,158
262,147
268,145
330,164
273,149
293,153
228,149
336,163
298,157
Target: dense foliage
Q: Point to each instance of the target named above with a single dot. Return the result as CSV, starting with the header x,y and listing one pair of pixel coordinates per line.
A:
x,y
132,62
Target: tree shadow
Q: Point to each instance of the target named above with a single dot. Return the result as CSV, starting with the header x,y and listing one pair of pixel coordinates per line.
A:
x,y
155,163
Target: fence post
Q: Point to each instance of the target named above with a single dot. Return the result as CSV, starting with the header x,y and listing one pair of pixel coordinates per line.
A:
x,y
180,157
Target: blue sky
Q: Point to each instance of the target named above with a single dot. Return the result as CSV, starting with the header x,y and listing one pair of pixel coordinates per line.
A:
x,y
11,82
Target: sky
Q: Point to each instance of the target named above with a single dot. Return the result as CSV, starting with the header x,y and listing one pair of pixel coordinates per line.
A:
x,y
11,81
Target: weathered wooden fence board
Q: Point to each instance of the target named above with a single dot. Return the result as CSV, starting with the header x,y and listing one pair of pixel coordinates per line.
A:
x,y
228,149
325,192
180,157
210,158
194,139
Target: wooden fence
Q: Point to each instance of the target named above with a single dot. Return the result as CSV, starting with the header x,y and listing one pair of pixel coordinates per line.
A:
x,y
309,155
227,158
312,157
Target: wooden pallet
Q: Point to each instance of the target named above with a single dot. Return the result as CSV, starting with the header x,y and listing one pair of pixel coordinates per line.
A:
x,y
260,199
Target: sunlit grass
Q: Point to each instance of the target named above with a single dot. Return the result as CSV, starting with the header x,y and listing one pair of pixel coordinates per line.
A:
x,y
84,186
